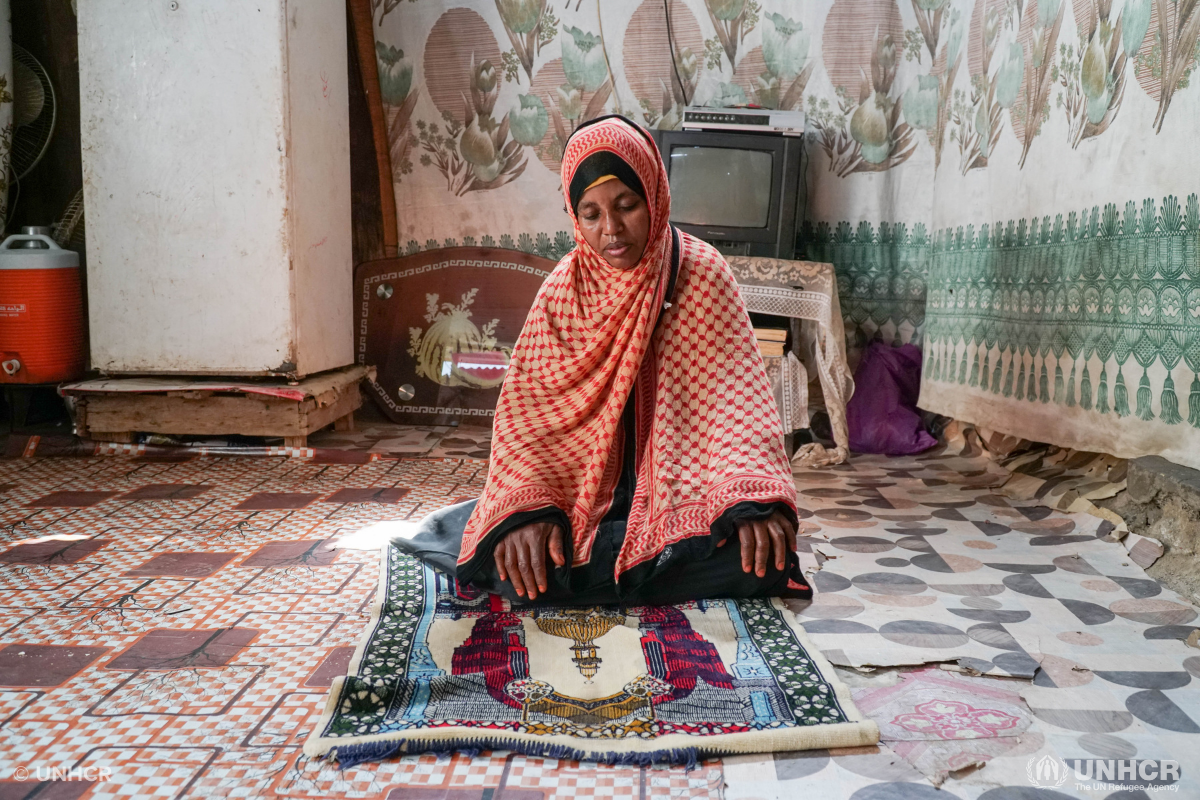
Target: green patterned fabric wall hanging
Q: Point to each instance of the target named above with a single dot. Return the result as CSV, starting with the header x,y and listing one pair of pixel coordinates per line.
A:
x,y
1095,312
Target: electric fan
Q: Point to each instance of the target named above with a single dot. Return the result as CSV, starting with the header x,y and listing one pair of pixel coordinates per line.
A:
x,y
34,112
68,232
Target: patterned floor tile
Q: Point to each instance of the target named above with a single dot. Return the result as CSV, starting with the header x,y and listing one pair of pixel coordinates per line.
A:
x,y
209,672
44,664
167,491
263,501
166,649
70,499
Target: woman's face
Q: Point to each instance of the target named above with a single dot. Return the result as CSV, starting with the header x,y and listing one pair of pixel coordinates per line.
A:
x,y
615,221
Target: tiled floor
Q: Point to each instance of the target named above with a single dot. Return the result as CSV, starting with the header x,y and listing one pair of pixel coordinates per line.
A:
x,y
927,563
170,623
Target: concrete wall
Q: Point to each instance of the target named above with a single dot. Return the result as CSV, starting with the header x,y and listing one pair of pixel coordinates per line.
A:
x,y
1162,501
217,185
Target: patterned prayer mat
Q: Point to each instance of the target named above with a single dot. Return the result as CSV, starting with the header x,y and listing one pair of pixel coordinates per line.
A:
x,y
446,668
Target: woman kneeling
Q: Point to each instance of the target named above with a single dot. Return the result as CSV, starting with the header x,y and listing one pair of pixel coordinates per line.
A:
x,y
637,453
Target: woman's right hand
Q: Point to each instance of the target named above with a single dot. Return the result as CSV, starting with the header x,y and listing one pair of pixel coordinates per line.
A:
x,y
521,556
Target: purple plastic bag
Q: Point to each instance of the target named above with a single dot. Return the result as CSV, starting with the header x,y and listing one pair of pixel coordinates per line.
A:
x,y
882,414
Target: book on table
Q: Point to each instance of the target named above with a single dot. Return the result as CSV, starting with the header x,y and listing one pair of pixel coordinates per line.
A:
x,y
771,334
771,348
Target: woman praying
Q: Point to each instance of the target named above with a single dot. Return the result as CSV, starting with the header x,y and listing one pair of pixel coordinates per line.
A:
x,y
637,453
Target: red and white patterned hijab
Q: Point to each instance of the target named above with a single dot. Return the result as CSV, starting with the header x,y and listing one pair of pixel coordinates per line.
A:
x,y
708,429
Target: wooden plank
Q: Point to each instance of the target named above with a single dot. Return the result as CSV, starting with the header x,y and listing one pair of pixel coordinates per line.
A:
x,y
199,413
335,381
345,423
153,385
366,214
318,418
123,437
221,414
328,386
249,415
362,18
81,428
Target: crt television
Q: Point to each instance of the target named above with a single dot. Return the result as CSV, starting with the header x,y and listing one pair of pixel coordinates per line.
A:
x,y
738,191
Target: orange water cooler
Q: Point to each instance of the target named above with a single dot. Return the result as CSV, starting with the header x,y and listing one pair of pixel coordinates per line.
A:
x,y
41,311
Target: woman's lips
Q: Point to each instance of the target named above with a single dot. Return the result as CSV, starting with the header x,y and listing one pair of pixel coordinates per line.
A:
x,y
617,249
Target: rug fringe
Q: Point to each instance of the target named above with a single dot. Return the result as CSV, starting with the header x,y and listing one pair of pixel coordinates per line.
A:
x,y
354,754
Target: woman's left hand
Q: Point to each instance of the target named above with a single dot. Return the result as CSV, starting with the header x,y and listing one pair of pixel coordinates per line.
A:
x,y
761,540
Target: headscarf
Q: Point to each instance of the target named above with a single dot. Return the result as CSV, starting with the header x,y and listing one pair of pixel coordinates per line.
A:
x,y
708,431
598,168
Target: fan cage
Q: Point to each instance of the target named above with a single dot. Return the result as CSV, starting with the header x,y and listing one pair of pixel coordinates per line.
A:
x,y
31,141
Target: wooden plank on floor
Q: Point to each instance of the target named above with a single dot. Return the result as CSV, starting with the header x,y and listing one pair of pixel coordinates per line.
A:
x,y
108,414
314,419
213,416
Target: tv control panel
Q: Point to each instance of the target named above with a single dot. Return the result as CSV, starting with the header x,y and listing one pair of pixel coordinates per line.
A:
x,y
758,120
727,118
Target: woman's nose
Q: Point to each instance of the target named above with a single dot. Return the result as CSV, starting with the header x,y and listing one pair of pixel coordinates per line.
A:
x,y
610,223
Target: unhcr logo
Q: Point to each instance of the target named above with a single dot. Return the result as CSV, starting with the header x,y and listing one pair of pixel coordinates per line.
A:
x,y
1047,772
1103,774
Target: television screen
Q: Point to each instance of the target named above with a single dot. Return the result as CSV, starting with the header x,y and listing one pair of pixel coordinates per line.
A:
x,y
721,186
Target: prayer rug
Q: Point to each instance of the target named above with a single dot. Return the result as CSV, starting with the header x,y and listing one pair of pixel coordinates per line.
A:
x,y
443,667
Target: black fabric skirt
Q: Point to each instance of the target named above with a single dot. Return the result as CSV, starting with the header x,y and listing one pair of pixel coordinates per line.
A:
x,y
438,540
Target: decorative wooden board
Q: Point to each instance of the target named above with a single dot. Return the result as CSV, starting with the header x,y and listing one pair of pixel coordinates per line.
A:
x,y
440,326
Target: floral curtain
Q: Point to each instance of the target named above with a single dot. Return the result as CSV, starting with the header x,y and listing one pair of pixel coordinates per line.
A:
x,y
1005,182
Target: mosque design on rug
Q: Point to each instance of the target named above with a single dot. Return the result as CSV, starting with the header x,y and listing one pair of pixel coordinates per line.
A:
x,y
445,667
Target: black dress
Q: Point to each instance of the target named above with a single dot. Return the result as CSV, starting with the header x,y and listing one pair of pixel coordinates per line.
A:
x,y
693,569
